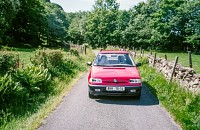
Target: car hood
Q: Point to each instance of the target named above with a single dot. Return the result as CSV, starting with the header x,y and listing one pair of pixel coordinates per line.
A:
x,y
114,72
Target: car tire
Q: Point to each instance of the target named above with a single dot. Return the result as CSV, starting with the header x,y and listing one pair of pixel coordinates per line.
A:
x,y
91,95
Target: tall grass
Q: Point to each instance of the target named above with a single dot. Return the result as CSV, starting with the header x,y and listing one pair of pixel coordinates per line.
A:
x,y
181,103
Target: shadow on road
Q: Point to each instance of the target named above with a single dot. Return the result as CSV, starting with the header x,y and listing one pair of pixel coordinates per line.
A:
x,y
146,99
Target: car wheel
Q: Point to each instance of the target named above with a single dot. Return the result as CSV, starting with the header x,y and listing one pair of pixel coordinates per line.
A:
x,y
91,95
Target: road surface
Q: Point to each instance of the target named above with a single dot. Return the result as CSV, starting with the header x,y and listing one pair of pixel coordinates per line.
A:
x,y
79,112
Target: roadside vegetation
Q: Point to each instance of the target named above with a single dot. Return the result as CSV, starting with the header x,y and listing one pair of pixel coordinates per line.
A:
x,y
29,92
181,103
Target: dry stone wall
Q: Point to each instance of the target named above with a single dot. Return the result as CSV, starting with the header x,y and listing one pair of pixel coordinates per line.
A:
x,y
186,76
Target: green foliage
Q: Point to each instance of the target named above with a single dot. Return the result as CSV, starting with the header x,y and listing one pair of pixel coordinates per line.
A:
x,y
166,25
76,29
55,62
24,82
28,24
101,23
32,23
9,9
33,79
181,103
57,24
25,90
8,88
22,90
22,87
161,25
8,62
48,58
55,58
74,52
142,59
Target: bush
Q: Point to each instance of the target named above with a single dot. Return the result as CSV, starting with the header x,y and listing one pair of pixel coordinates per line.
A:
x,y
31,87
24,82
41,58
8,87
142,59
74,52
7,62
33,79
22,90
48,58
56,64
55,58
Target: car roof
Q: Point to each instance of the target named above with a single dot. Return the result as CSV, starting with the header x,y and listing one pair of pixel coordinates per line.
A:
x,y
113,51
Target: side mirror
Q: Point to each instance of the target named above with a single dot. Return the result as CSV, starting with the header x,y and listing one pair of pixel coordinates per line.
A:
x,y
138,64
89,63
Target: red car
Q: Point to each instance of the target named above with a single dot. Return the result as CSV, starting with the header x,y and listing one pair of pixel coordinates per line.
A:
x,y
114,73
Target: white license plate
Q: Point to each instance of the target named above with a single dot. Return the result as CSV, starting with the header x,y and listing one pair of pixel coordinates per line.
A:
x,y
115,89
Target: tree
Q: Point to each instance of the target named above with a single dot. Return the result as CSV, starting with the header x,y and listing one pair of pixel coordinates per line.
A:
x,y
122,22
57,24
76,28
101,23
191,12
9,9
27,26
138,31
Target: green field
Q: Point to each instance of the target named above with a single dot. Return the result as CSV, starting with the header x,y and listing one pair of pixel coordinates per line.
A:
x,y
183,59
25,55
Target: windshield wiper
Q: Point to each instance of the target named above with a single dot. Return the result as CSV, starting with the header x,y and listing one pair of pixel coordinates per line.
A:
x,y
101,65
121,65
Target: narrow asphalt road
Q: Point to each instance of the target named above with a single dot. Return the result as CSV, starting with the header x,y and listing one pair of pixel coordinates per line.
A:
x,y
79,112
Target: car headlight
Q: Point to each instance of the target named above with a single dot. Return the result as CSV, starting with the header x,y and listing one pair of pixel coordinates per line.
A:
x,y
95,80
135,81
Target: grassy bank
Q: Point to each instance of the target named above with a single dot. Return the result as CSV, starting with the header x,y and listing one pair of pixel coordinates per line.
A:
x,y
31,113
183,105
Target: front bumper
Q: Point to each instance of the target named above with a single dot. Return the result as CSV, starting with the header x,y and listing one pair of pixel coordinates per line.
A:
x,y
103,92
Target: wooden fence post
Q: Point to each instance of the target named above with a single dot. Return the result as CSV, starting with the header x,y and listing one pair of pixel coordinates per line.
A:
x,y
85,50
140,50
135,54
173,69
190,59
154,60
18,60
165,57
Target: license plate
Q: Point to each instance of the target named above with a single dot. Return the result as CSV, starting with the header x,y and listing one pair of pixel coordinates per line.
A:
x,y
115,89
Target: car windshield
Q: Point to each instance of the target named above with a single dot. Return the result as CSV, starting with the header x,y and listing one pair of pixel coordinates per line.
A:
x,y
114,60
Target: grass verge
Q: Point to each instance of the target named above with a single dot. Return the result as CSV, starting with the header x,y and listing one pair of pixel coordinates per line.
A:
x,y
181,103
